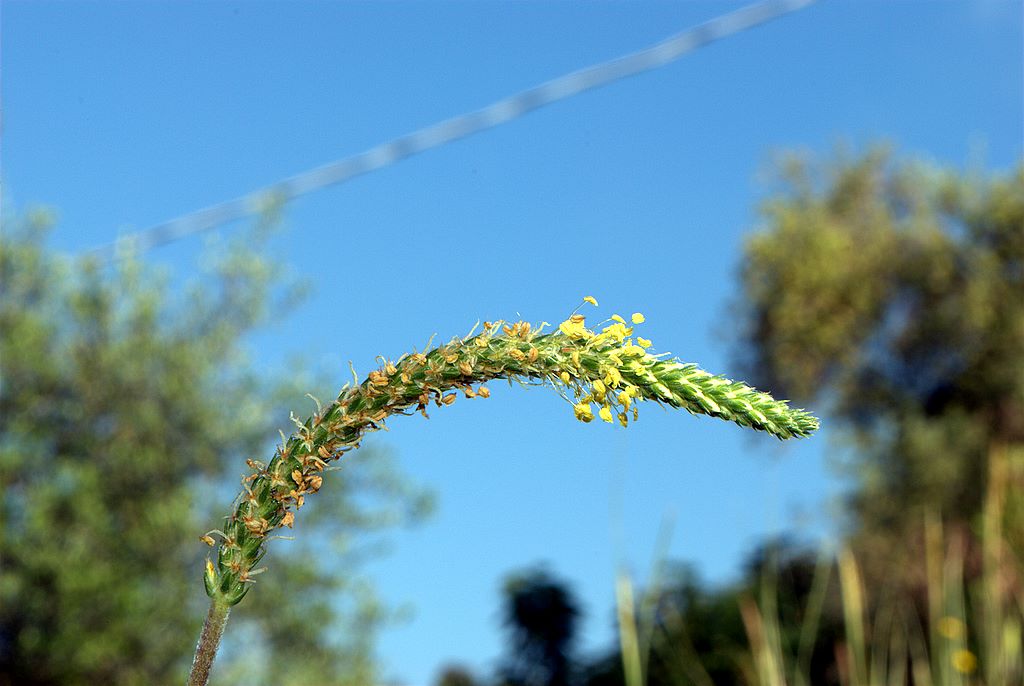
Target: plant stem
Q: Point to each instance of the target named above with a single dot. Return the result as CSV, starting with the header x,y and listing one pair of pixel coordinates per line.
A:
x,y
209,641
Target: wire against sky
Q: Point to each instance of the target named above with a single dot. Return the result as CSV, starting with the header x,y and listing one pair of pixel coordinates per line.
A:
x,y
452,129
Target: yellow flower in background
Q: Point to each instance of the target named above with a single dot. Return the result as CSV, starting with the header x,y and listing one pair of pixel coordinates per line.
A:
x,y
951,627
964,661
638,318
590,299
606,414
643,342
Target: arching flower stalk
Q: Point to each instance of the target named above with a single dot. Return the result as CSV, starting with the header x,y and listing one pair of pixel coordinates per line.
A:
x,y
611,370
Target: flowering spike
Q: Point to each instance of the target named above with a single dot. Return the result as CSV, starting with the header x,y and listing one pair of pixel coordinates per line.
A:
x,y
585,367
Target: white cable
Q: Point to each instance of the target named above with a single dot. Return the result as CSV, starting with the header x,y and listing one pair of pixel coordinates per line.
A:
x,y
454,128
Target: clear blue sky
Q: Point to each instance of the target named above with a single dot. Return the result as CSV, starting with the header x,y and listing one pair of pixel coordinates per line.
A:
x,y
125,114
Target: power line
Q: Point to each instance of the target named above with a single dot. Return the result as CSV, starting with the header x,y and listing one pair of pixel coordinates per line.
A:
x,y
453,129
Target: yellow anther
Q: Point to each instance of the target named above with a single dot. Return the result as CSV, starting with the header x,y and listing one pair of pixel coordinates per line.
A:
x,y
583,412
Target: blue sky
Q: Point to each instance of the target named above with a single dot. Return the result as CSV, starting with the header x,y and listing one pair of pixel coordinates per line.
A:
x,y
122,115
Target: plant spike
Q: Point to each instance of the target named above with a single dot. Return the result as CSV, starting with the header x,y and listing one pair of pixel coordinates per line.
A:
x,y
606,370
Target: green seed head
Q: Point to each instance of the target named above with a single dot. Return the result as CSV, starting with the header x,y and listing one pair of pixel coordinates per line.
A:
x,y
611,370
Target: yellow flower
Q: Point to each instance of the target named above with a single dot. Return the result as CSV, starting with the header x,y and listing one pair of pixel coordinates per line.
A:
x,y
964,661
612,377
619,319
630,350
606,414
638,318
950,627
623,419
583,412
565,377
573,328
643,342
616,331
590,299
626,396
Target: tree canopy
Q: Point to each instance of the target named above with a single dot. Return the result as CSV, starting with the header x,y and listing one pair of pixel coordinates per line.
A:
x,y
893,292
127,409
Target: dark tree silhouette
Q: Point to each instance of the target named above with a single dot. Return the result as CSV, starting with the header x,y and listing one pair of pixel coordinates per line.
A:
x,y
541,616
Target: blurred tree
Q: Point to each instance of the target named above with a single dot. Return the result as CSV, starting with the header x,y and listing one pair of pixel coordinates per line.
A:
x,y
125,414
541,615
455,675
894,292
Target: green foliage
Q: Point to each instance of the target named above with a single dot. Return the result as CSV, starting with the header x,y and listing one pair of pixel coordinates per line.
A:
x,y
732,635
125,408
895,291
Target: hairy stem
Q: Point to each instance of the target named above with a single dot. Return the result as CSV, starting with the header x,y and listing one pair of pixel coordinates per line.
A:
x,y
209,641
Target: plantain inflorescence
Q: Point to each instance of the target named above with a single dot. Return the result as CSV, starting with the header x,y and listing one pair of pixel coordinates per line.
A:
x,y
611,371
